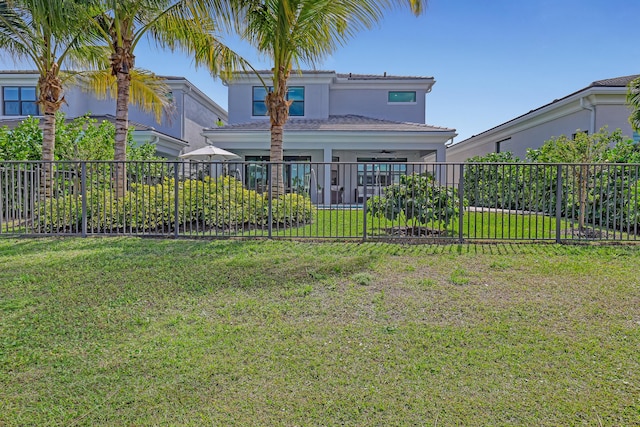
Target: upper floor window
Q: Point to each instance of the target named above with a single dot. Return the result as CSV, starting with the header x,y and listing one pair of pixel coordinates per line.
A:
x,y
294,93
402,96
20,101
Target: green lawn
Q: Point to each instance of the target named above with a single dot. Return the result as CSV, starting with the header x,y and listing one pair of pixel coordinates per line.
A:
x,y
128,331
350,223
476,225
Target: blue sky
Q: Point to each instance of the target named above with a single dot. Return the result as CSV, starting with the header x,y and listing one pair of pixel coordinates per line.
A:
x,y
492,60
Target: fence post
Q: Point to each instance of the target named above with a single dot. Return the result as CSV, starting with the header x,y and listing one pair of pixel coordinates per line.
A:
x,y
364,202
270,201
176,189
461,204
558,202
83,193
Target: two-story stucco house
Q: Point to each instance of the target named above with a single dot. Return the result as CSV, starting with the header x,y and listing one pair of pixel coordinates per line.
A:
x,y
336,118
602,103
182,131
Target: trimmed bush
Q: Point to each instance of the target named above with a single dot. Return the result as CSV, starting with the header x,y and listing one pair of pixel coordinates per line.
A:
x,y
292,210
221,203
418,198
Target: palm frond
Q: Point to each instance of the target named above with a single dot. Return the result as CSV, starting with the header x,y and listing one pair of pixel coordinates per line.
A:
x,y
91,57
148,92
633,99
16,37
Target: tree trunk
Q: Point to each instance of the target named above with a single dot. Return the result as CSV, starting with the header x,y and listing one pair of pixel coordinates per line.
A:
x,y
121,62
122,129
278,108
50,100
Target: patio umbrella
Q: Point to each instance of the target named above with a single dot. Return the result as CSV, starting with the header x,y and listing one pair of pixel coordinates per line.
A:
x,y
210,153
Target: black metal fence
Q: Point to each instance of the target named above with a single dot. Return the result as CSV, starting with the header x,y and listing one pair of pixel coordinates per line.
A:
x,y
444,202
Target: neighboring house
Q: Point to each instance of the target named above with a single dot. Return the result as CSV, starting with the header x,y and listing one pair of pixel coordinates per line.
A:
x,y
602,103
180,132
335,118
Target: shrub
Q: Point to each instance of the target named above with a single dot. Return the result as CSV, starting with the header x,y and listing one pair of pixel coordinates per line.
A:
x,y
418,198
601,194
221,203
291,210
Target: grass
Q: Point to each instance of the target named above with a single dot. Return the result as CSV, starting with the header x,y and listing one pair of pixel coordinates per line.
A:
x,y
475,225
127,331
350,223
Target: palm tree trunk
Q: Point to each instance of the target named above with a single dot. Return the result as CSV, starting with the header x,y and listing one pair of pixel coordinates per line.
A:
x,y
50,99
122,129
278,108
122,62
276,157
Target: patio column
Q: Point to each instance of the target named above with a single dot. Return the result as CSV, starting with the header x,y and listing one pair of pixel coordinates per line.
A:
x,y
441,157
327,175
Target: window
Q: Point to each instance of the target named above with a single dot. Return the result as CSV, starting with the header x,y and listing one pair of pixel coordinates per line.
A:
x,y
334,170
20,101
402,97
297,176
381,172
255,172
294,93
500,145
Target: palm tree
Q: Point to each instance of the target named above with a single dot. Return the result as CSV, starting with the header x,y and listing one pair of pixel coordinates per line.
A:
x,y
291,32
185,25
633,99
48,34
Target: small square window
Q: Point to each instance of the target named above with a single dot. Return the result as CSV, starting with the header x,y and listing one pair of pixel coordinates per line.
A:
x,y
20,101
259,108
27,93
30,109
296,108
11,93
11,108
296,93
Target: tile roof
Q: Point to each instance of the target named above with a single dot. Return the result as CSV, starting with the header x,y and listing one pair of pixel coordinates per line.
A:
x,y
350,76
19,72
616,81
12,122
386,76
352,123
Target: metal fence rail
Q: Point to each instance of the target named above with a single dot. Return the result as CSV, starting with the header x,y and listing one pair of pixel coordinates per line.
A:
x,y
444,202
